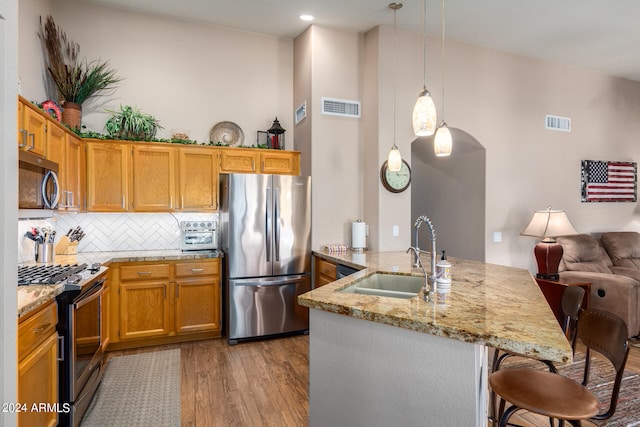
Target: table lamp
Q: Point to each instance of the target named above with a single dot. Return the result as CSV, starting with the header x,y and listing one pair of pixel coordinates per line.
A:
x,y
548,225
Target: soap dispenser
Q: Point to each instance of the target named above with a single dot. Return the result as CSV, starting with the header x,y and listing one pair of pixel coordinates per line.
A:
x,y
443,273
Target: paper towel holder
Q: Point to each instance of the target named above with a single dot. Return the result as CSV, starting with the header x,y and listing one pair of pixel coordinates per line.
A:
x,y
358,236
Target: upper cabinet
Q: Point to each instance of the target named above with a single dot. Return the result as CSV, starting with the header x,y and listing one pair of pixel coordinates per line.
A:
x,y
259,160
239,160
107,177
32,128
154,178
280,162
68,152
198,179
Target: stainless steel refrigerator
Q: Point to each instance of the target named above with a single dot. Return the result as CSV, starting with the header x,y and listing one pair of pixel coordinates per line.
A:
x,y
265,223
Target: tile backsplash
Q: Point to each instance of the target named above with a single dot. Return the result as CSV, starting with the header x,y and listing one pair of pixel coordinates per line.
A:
x,y
113,232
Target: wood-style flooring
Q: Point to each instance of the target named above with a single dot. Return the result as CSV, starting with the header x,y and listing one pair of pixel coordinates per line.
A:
x,y
262,383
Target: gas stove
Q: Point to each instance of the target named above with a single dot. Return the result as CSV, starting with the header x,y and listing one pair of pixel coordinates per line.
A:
x,y
72,275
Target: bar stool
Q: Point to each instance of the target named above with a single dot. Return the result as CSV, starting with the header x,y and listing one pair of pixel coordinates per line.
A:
x,y
558,397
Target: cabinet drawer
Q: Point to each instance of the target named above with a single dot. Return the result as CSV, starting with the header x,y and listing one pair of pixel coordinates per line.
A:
x,y
145,272
197,268
326,268
35,329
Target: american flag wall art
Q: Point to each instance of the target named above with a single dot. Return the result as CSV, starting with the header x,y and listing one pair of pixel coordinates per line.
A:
x,y
604,181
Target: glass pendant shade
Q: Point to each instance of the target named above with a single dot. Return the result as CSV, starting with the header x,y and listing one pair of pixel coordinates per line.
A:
x,y
424,114
442,142
394,161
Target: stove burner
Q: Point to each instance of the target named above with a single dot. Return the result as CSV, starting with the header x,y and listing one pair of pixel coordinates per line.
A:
x,y
47,274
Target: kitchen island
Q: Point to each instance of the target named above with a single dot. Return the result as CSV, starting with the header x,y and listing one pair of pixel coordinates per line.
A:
x,y
387,361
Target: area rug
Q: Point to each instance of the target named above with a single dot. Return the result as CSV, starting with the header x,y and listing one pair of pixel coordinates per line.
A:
x,y
600,383
138,390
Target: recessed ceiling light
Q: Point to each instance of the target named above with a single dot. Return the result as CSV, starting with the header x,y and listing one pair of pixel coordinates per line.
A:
x,y
307,17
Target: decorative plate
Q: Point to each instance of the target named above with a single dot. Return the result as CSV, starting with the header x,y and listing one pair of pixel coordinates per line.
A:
x,y
227,133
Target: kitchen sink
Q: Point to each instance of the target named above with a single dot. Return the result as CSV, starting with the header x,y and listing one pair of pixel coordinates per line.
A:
x,y
388,285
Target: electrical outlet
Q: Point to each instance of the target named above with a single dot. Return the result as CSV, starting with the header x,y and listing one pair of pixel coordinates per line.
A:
x,y
395,231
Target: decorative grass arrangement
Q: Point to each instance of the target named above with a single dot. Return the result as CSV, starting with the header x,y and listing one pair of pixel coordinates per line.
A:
x,y
131,123
76,78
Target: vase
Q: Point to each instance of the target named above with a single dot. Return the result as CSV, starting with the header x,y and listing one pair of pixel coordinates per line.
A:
x,y
72,114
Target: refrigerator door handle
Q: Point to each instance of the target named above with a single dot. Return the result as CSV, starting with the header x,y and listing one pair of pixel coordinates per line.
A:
x,y
268,237
274,282
276,219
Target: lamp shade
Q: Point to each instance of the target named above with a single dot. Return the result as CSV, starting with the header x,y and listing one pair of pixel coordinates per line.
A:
x,y
394,161
424,114
548,224
442,142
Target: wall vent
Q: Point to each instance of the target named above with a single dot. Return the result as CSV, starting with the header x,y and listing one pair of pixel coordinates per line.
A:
x,y
340,107
301,112
560,123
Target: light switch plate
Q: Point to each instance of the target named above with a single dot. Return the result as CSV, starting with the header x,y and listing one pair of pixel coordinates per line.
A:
x,y
395,231
497,236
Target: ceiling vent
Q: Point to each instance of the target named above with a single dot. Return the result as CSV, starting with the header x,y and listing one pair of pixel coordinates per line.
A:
x,y
562,124
340,107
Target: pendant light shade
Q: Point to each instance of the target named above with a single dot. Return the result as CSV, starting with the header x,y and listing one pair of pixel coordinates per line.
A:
x,y
442,142
424,112
424,115
394,160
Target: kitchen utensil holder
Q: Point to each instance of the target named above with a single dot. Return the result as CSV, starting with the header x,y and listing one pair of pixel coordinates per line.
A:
x,y
44,252
66,247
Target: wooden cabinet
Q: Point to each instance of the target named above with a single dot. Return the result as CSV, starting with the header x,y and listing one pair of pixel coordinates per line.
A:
x,y
68,152
198,179
154,178
107,177
38,366
239,160
280,162
325,272
197,296
163,302
251,160
32,128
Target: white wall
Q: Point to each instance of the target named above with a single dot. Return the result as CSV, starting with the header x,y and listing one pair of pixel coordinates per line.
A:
x,y
8,211
188,75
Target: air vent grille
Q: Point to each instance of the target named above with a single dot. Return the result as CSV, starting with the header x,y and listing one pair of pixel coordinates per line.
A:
x,y
560,123
301,112
340,107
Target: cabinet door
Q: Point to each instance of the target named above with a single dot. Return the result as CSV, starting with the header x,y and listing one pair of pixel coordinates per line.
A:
x,y
36,126
154,178
198,179
198,304
22,132
144,309
238,160
325,272
105,306
280,162
107,177
75,174
38,384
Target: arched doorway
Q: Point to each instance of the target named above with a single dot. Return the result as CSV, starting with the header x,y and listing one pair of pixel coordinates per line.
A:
x,y
451,192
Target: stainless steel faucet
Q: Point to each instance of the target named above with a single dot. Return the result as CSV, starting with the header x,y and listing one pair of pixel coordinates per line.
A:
x,y
427,288
432,233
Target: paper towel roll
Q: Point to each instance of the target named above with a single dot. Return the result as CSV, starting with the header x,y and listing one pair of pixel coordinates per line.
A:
x,y
359,235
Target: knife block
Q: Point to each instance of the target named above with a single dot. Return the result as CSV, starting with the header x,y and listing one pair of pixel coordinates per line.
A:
x,y
65,247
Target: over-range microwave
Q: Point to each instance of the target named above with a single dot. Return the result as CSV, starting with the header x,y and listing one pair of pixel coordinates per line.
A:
x,y
38,186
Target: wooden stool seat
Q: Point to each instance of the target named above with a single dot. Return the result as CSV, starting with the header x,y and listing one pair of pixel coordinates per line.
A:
x,y
545,393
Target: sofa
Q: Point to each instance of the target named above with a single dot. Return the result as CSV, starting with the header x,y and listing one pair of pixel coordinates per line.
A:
x,y
611,263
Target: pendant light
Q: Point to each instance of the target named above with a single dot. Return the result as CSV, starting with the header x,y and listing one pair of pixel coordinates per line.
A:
x,y
442,143
424,112
394,160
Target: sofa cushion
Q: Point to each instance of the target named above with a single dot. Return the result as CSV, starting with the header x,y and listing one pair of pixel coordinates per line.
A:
x,y
583,252
623,248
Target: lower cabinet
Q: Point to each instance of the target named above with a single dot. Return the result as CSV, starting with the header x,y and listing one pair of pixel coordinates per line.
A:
x,y
163,302
38,368
324,272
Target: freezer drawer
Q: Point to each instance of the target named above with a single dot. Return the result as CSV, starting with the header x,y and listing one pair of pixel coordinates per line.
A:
x,y
266,306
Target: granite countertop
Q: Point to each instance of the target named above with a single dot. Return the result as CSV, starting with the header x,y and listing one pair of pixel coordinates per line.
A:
x,y
489,304
34,296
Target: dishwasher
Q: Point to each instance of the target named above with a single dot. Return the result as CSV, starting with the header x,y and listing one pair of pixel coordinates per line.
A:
x,y
344,271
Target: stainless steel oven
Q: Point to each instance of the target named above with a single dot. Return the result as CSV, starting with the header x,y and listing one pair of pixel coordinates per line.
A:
x,y
80,325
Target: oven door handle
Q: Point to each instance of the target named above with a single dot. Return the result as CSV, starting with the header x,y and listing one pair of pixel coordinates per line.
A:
x,y
92,294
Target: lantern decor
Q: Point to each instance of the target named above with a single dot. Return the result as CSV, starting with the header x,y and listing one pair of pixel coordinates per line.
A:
x,y
275,136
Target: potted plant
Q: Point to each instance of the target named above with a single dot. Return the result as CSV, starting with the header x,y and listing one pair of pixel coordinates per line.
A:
x,y
131,123
76,78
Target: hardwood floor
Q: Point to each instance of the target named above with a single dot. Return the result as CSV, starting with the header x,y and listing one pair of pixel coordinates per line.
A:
x,y
261,383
